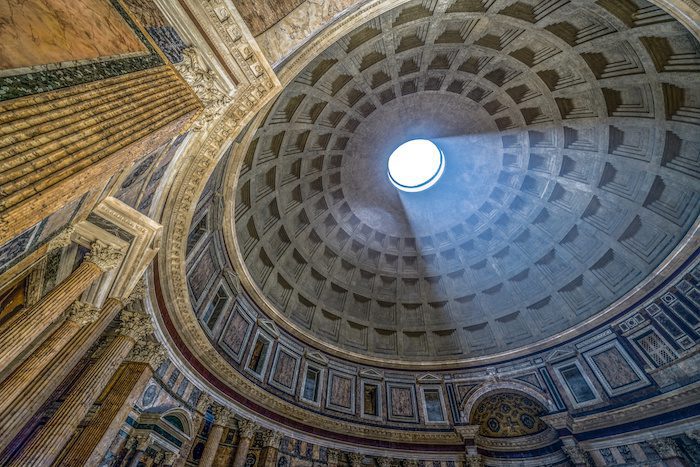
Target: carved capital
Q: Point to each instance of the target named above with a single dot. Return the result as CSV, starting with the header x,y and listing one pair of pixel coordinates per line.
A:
x,y
409,463
577,455
694,435
82,313
169,458
142,442
222,415
203,403
104,256
355,459
151,353
333,456
158,458
272,439
61,240
666,448
135,325
473,461
384,462
247,429
138,293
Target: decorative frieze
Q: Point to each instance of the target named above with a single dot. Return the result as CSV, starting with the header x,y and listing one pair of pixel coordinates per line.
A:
x,y
204,83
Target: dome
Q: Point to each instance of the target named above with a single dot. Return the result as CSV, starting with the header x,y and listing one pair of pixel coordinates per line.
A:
x,y
564,184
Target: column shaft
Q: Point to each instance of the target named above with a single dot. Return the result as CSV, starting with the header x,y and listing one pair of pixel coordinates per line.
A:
x,y
20,332
211,446
241,452
16,383
125,387
14,417
50,439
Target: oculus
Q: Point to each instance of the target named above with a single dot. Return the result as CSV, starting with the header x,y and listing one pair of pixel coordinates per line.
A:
x,y
416,165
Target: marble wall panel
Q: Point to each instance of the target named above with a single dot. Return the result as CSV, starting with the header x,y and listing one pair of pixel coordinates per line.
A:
x,y
285,371
202,274
236,334
341,392
61,31
402,402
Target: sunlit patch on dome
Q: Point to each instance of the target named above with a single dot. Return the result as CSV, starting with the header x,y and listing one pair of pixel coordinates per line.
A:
x,y
416,165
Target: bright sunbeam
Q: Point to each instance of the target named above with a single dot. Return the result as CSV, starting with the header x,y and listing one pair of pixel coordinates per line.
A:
x,y
416,165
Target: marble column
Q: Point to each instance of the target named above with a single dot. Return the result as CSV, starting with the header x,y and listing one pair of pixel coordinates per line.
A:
x,y
126,387
668,451
15,385
271,446
50,439
356,459
197,422
246,431
14,417
222,417
21,331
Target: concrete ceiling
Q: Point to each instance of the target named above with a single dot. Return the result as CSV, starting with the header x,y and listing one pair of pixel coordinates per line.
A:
x,y
570,131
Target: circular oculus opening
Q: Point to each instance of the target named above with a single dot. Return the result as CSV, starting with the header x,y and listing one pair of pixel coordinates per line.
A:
x,y
416,165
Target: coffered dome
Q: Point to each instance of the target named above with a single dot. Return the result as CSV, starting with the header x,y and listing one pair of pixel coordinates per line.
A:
x,y
570,137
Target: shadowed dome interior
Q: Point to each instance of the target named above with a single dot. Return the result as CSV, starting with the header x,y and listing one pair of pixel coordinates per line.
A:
x,y
571,158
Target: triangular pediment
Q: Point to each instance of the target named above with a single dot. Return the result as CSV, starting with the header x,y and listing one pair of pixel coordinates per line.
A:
x,y
317,357
372,374
269,326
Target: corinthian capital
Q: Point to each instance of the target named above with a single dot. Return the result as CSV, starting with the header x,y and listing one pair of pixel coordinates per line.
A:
x,y
203,403
104,256
135,325
82,313
151,353
247,429
356,459
63,239
666,448
577,455
272,439
222,415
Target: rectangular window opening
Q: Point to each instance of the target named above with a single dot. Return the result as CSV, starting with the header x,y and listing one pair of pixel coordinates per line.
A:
x,y
371,398
311,384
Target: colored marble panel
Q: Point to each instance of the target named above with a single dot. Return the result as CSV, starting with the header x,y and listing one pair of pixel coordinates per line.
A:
x,y
40,32
341,391
236,333
202,274
401,402
614,368
285,369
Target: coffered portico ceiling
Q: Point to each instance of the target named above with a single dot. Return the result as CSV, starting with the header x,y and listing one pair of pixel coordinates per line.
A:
x,y
571,134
